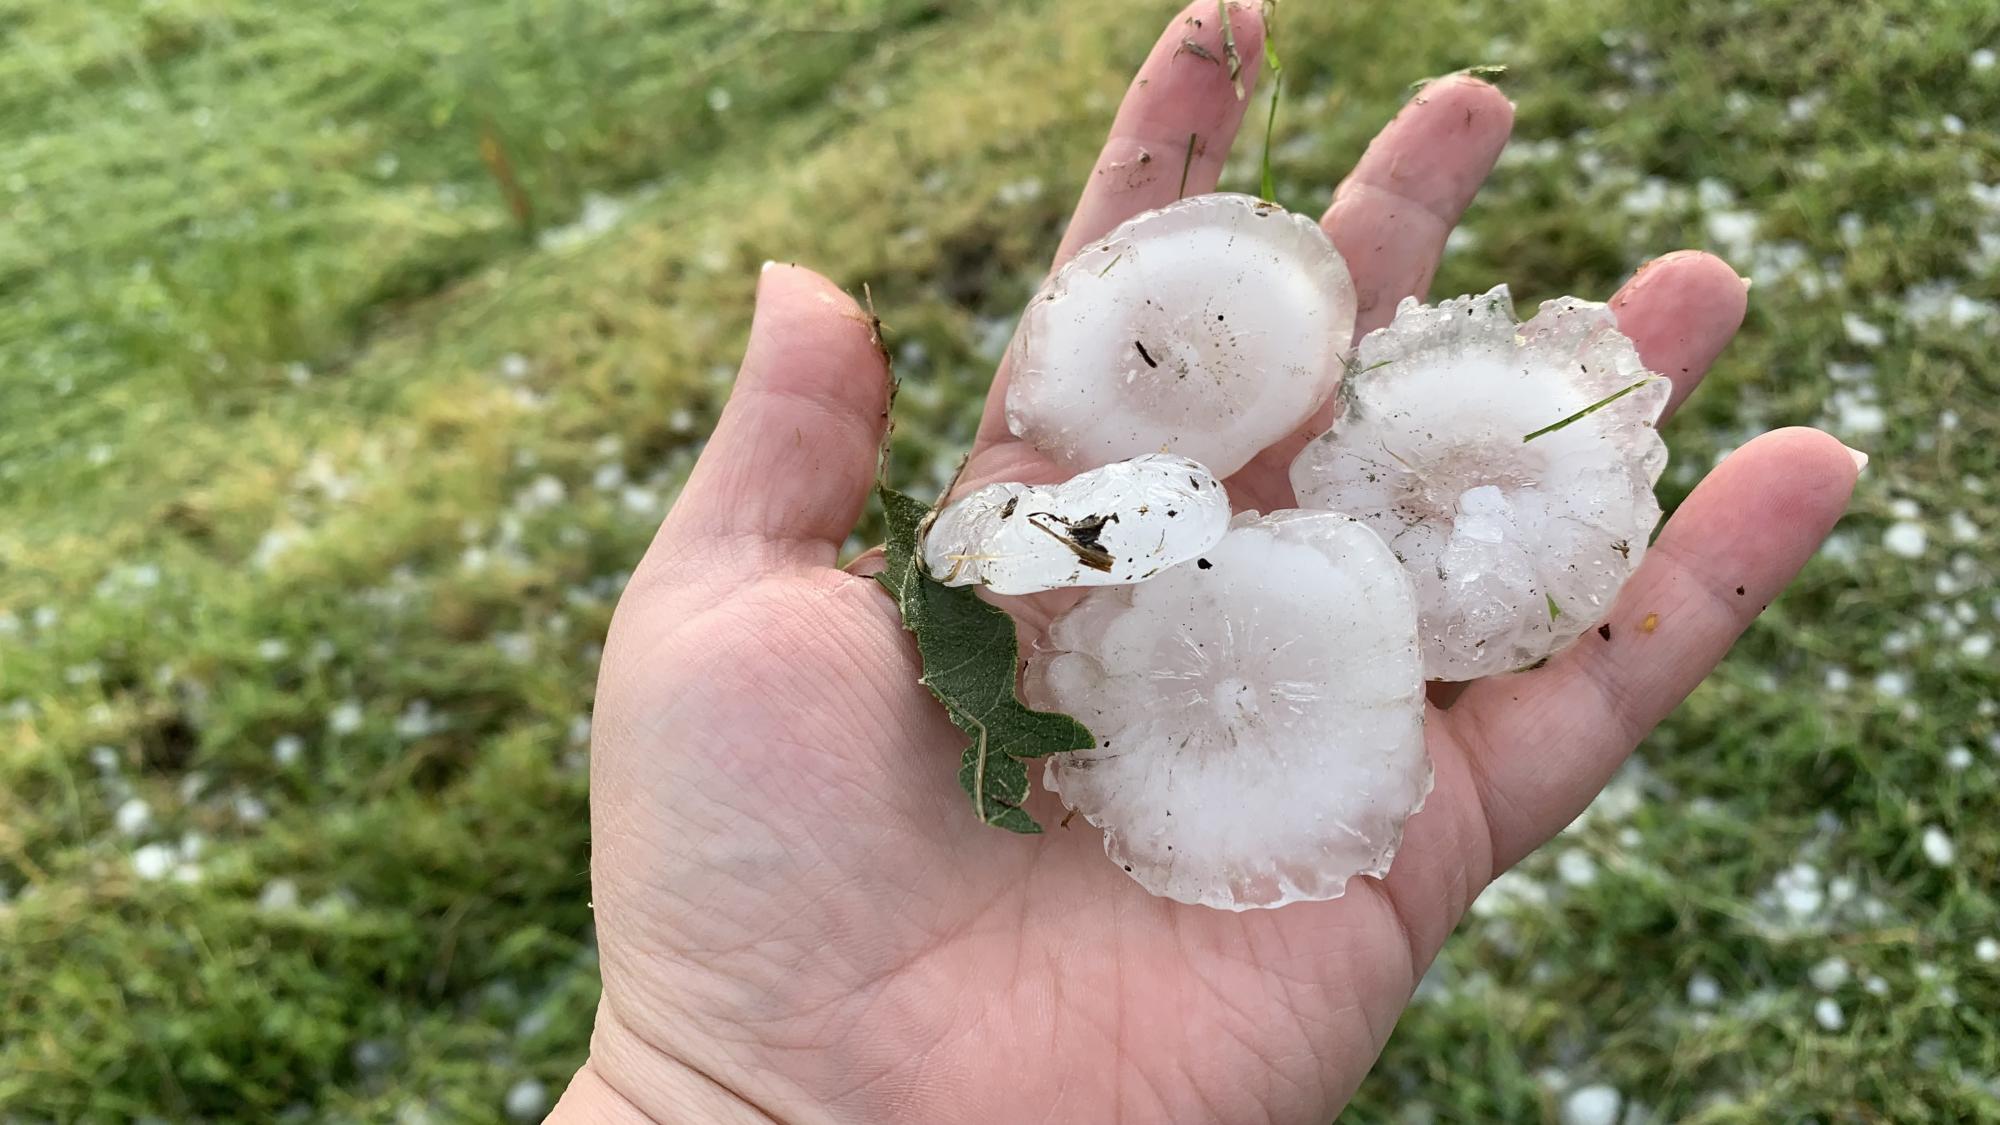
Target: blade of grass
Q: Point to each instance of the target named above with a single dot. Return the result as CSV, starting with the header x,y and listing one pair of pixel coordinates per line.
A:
x,y
1593,408
1267,184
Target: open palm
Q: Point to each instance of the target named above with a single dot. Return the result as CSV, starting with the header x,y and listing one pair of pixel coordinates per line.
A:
x,y
799,916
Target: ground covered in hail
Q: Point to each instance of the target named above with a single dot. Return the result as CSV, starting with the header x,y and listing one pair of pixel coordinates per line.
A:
x,y
268,708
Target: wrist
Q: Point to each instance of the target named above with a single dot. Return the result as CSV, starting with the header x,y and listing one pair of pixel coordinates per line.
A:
x,y
626,1082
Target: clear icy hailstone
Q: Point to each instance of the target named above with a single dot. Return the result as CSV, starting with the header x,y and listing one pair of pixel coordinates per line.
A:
x,y
1259,714
1517,529
1122,523
1210,328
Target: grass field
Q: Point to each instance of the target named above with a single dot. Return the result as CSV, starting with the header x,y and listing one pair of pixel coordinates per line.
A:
x,y
349,354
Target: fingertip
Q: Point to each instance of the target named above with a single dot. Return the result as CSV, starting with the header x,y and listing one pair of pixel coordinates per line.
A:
x,y
787,470
1681,310
1246,22
810,337
1691,285
1440,146
1469,94
1810,465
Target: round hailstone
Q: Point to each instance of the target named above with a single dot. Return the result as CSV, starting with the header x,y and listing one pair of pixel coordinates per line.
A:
x,y
1259,714
1210,328
1122,523
1466,445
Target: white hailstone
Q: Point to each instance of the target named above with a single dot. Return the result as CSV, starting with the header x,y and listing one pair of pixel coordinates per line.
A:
x,y
346,717
1987,950
288,749
1893,684
1121,523
278,895
1861,332
527,1100
1576,868
154,861
1938,847
1591,1105
1906,539
1210,328
1259,714
1466,445
134,816
1704,991
1828,1015
1828,975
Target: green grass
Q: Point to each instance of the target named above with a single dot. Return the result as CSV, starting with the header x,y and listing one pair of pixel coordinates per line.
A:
x,y
321,464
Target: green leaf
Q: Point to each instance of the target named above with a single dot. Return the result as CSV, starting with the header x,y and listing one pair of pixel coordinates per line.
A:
x,y
1555,610
970,659
1593,408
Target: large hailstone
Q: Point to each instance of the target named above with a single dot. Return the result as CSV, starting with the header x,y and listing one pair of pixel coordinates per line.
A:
x,y
1210,328
1462,446
1122,523
1259,714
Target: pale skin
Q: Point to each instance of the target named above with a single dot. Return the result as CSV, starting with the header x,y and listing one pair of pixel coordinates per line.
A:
x,y
799,916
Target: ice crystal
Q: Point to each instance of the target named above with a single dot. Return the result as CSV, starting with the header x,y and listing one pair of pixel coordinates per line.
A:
x,y
1210,328
1510,466
1259,714
1121,523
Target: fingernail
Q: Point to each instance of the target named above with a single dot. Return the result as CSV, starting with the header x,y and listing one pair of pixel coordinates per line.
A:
x,y
1860,458
1747,283
766,267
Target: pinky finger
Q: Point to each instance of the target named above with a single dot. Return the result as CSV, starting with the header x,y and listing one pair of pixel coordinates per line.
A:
x,y
1543,743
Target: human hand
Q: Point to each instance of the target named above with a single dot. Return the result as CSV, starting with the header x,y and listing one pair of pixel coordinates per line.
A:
x,y
798,916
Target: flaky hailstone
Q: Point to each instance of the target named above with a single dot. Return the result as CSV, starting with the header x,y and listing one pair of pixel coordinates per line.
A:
x,y
1517,530
1121,523
1259,714
1210,328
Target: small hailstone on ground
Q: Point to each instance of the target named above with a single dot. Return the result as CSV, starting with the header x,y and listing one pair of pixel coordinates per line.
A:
x,y
1576,868
154,861
1828,1015
1704,991
1828,975
1591,1105
345,718
134,816
527,1100
1987,950
1210,328
1906,539
1938,847
1861,332
1469,444
1121,523
279,894
1259,714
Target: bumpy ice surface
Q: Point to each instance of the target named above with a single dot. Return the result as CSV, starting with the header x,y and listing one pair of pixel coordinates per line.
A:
x,y
1124,522
1259,714
1210,328
1515,546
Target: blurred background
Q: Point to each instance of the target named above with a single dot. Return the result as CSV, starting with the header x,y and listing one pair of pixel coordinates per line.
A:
x,y
350,352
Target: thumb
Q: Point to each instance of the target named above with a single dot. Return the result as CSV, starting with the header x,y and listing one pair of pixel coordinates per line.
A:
x,y
784,478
